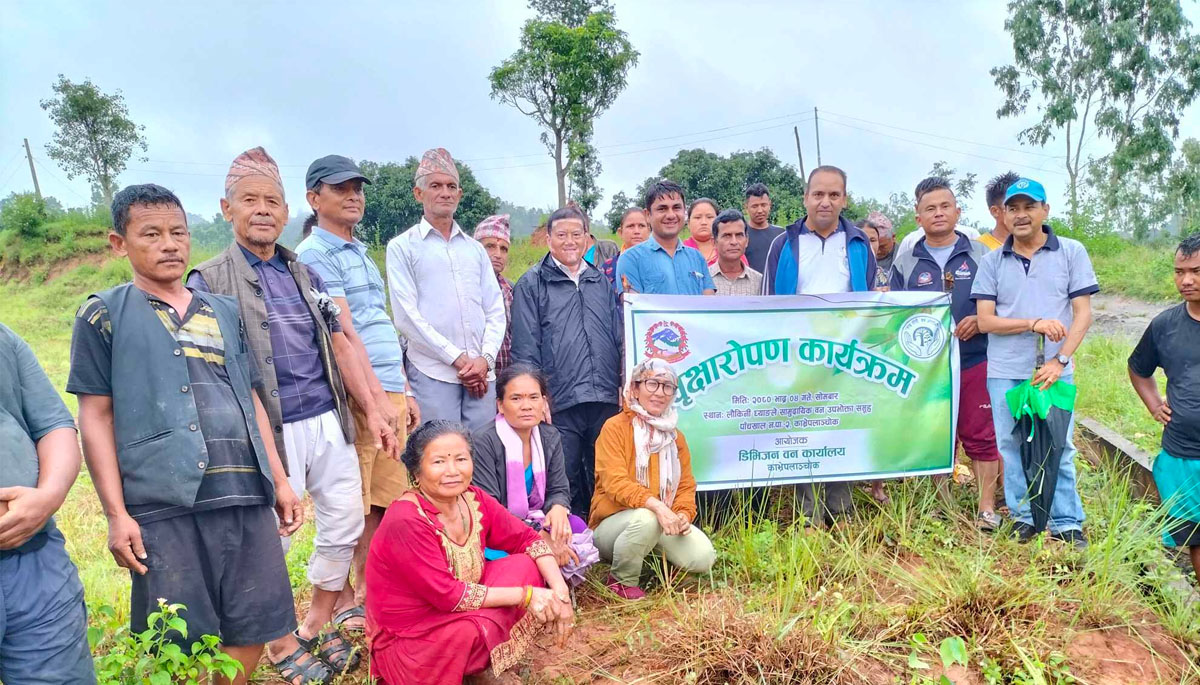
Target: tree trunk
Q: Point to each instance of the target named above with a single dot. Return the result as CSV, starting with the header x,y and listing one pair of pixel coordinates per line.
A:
x,y
559,172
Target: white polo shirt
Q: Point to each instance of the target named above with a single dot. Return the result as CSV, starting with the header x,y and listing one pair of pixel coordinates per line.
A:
x,y
824,268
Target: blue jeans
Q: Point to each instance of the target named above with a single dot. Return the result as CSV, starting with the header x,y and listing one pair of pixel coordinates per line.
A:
x,y
43,620
1066,513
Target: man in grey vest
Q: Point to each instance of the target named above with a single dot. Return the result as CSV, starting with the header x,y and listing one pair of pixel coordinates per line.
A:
x,y
307,365
172,433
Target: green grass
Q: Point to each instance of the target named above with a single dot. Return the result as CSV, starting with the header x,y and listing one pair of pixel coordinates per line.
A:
x,y
74,234
789,605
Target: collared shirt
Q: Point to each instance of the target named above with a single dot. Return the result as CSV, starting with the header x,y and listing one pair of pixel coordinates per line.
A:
x,y
574,276
1038,288
445,298
651,270
349,272
304,390
231,476
504,356
749,282
29,409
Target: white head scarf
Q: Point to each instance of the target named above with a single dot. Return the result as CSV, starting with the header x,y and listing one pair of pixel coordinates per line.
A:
x,y
655,434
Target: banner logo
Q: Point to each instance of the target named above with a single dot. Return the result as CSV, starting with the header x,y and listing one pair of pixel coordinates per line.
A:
x,y
922,337
667,341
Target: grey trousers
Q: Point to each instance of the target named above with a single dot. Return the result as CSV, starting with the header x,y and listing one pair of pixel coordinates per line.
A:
x,y
823,503
451,401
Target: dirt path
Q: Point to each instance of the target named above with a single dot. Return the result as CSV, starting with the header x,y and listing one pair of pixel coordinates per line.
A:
x,y
1123,317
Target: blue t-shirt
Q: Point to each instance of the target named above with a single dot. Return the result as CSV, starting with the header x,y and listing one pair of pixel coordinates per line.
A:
x,y
651,270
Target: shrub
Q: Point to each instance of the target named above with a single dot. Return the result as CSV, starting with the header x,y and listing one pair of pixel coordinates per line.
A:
x,y
147,658
24,214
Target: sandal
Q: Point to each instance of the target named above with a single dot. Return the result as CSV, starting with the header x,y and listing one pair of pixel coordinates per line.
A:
x,y
312,671
988,521
335,650
351,613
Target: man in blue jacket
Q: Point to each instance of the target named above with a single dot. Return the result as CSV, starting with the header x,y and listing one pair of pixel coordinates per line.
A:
x,y
945,260
566,321
822,253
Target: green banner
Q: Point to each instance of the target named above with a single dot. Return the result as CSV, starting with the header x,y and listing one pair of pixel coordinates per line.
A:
x,y
776,390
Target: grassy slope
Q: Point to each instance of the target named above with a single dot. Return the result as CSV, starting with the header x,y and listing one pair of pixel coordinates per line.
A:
x,y
787,602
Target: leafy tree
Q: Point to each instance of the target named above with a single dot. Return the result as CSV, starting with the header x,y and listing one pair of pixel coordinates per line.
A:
x,y
95,136
1183,186
391,208
570,67
1127,68
620,203
584,172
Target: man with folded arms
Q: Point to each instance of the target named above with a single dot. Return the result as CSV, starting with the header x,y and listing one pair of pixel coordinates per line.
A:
x,y
446,303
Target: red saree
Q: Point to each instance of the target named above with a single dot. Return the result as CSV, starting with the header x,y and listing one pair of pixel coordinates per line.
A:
x,y
425,623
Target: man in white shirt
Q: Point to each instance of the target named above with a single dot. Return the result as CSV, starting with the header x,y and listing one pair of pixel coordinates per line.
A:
x,y
446,303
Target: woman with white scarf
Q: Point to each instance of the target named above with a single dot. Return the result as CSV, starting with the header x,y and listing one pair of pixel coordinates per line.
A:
x,y
645,495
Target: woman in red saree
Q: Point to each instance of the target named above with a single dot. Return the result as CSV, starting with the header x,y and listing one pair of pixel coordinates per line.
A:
x,y
436,611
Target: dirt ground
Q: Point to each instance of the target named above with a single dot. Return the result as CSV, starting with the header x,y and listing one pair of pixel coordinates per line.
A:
x,y
1122,317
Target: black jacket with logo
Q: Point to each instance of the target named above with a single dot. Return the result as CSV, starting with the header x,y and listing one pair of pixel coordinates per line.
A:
x,y
918,270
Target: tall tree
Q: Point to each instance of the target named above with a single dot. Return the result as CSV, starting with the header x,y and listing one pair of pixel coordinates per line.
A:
x,y
1183,186
584,173
391,208
1127,68
570,67
95,136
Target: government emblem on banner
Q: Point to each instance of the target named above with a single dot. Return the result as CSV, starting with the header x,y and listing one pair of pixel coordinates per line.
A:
x,y
922,336
667,341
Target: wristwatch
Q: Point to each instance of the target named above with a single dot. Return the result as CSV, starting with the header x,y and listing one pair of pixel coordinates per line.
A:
x,y
491,361
1062,359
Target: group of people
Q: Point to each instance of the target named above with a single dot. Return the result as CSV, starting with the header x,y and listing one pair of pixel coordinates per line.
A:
x,y
471,454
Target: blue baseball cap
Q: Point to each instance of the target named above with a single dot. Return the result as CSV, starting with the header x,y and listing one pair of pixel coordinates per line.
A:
x,y
1027,187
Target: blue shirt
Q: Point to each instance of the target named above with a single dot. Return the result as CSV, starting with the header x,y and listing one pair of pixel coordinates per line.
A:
x,y
349,272
1041,287
650,270
304,390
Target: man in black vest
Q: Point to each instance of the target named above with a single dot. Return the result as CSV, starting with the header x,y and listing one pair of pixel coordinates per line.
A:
x,y
307,365
172,434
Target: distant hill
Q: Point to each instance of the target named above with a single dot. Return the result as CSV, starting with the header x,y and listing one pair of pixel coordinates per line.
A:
x,y
522,220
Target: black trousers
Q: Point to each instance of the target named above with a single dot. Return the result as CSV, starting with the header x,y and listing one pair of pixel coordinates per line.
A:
x,y
580,426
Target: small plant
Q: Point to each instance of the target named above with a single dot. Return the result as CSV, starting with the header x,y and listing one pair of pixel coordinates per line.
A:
x,y
149,658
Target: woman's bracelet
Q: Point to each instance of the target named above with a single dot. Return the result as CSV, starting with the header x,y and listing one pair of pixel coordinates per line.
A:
x,y
528,597
1033,325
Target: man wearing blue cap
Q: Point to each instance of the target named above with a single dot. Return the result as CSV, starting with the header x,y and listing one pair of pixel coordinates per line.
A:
x,y
1036,284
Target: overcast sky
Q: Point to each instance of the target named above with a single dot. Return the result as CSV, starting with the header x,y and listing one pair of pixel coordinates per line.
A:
x,y
899,86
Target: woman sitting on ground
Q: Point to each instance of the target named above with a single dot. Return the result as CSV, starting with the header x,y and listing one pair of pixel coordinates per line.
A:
x,y
436,610
519,460
645,495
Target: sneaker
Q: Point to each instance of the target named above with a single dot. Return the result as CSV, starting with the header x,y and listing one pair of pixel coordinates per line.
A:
x,y
1074,538
1024,531
988,521
632,593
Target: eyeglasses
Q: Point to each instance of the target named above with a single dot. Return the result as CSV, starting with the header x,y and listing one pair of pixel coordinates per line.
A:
x,y
653,385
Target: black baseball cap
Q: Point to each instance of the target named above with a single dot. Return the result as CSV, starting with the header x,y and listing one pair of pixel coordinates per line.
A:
x,y
332,169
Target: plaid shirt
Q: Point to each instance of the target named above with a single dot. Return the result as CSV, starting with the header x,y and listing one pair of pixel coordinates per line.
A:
x,y
748,283
504,356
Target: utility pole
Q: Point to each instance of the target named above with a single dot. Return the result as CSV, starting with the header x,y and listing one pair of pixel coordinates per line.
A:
x,y
33,171
800,155
817,128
